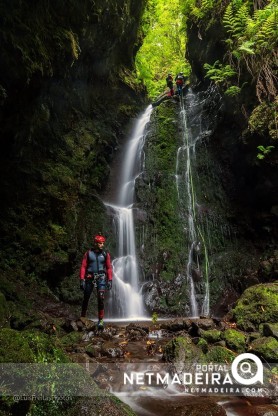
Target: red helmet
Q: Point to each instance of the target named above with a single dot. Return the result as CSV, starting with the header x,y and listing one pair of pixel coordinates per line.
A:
x,y
99,239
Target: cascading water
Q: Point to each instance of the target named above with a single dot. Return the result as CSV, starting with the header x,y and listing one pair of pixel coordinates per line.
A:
x,y
126,300
194,128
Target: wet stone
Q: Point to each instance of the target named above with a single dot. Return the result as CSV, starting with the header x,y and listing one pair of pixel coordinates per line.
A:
x,y
205,323
109,349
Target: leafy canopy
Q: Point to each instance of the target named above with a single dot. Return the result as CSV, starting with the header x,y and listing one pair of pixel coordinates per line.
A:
x,y
163,49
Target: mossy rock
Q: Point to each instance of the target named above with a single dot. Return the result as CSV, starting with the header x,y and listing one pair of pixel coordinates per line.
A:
x,y
4,311
269,330
265,347
73,338
45,347
182,350
211,336
257,305
202,343
21,318
92,351
14,347
217,354
29,347
235,340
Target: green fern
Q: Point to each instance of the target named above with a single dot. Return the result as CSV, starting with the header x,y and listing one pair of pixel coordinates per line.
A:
x,y
247,47
235,18
218,72
240,20
228,18
264,151
197,12
207,5
268,32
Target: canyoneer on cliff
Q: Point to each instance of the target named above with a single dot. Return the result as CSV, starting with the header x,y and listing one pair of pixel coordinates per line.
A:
x,y
180,82
96,272
170,85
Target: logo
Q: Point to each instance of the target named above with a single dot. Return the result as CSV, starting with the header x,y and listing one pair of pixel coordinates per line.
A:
x,y
243,369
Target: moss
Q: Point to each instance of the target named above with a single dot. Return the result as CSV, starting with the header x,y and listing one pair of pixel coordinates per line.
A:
x,y
269,330
218,354
211,336
202,343
14,347
4,311
262,120
266,347
92,351
258,304
70,339
234,340
182,350
44,347
157,195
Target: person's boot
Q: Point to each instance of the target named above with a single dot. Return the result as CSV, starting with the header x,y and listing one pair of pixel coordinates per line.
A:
x,y
100,325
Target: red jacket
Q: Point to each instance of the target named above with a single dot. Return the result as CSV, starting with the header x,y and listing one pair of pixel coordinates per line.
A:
x,y
84,265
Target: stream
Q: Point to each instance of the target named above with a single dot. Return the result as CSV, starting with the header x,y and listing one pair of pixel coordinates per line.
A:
x,y
135,348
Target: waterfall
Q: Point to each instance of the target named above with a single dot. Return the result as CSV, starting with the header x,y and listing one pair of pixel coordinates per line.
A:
x,y
186,198
126,300
195,127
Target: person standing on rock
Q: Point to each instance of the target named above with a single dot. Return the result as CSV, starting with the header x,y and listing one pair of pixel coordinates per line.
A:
x,y
96,271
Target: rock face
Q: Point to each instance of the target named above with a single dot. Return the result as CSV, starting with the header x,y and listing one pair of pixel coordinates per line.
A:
x,y
67,93
226,251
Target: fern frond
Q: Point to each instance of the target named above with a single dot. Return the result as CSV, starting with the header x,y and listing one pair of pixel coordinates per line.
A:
x,y
228,19
240,20
247,47
207,5
268,31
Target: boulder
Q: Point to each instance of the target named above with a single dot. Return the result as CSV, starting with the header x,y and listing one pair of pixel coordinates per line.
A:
x,y
258,304
211,336
235,340
269,330
182,352
265,347
221,355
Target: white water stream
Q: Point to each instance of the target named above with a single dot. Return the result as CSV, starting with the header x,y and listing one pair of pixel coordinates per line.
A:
x,y
193,130
126,300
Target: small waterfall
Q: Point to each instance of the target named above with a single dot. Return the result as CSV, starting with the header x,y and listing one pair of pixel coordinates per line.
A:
x,y
195,127
126,300
185,188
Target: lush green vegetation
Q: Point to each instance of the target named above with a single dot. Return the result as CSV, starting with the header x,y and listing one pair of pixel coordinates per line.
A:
x,y
249,32
163,50
249,64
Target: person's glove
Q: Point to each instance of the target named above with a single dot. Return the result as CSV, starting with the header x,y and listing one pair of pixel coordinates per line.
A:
x,y
82,284
109,285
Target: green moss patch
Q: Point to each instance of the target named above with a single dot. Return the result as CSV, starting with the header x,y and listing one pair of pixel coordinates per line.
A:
x,y
211,336
14,347
4,311
234,340
258,304
266,347
218,354
181,350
